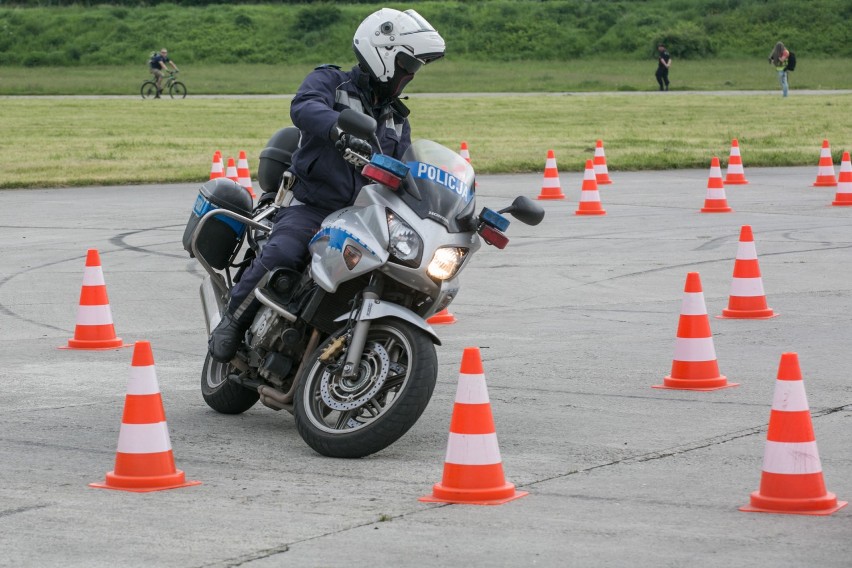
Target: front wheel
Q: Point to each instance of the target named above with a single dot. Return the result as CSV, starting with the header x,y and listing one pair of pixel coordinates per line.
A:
x,y
149,90
358,416
223,395
177,90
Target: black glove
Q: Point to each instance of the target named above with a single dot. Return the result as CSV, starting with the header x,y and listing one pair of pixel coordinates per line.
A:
x,y
356,145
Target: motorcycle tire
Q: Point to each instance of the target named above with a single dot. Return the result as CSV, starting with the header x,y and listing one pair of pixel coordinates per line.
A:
x,y
396,378
223,395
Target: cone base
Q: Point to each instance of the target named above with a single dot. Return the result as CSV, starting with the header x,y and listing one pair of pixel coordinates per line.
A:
x,y
605,181
716,209
720,382
825,505
95,344
144,484
825,184
841,203
736,182
560,196
748,314
490,496
597,212
442,320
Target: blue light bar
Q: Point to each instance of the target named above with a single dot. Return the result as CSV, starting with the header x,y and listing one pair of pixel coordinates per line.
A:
x,y
494,219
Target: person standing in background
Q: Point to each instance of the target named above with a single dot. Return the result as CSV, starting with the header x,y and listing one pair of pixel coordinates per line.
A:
x,y
778,58
664,61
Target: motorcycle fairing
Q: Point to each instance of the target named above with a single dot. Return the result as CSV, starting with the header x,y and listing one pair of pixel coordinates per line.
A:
x,y
445,183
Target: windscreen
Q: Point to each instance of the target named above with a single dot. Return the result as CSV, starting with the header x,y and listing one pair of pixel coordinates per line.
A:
x,y
445,182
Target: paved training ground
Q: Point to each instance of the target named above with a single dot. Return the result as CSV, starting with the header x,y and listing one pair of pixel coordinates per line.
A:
x,y
576,320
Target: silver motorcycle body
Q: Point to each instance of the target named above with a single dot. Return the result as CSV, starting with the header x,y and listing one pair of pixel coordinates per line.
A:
x,y
345,345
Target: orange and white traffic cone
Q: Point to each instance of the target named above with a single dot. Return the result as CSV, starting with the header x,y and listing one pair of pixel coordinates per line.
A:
x,y
735,174
715,202
550,187
590,197
844,183
694,366
243,175
217,170
791,481
231,171
94,329
464,152
825,171
473,468
601,171
442,317
144,460
747,299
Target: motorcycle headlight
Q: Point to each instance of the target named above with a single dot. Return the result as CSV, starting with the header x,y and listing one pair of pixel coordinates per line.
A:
x,y
446,262
405,245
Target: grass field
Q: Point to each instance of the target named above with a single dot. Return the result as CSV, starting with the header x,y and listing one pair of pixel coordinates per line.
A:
x,y
447,76
54,142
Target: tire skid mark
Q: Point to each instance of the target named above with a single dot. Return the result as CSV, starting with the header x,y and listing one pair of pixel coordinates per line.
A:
x,y
117,240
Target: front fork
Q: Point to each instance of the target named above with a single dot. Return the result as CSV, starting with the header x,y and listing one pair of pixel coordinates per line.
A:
x,y
370,295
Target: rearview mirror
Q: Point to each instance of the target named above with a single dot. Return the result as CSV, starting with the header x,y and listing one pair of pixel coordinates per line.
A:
x,y
525,210
357,123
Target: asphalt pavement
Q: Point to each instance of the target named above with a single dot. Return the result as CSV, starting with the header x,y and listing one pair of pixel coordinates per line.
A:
x,y
576,320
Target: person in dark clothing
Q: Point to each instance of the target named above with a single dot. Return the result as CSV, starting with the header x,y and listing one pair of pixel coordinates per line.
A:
x,y
664,61
390,46
157,65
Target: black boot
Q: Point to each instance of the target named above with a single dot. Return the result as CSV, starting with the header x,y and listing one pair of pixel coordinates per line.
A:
x,y
226,338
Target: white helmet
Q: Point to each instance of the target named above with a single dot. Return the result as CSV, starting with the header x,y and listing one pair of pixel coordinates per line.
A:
x,y
392,46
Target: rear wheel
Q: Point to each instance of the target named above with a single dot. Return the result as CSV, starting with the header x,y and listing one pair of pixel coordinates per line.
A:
x,y
149,90
177,90
223,395
358,416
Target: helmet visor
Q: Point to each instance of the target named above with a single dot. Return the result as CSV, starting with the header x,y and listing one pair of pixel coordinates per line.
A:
x,y
408,63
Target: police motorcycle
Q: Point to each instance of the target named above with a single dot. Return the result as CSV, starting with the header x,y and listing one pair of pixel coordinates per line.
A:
x,y
345,346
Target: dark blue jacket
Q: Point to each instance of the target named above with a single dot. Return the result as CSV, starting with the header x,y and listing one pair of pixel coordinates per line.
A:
x,y
324,179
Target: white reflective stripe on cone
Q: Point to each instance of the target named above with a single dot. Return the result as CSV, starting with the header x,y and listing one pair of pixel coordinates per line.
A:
x,y
746,251
473,449
844,187
693,304
694,349
747,287
715,194
93,276
471,389
735,151
791,458
550,182
735,169
143,380
790,396
590,195
144,438
550,164
94,315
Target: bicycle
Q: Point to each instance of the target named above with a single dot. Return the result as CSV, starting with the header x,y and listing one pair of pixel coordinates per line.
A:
x,y
175,88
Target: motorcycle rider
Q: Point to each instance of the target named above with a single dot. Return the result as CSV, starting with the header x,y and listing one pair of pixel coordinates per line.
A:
x,y
390,46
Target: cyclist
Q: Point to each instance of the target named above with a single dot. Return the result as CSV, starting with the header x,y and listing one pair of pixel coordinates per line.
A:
x,y
158,65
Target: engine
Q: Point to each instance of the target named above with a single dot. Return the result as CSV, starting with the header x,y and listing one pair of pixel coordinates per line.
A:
x,y
274,345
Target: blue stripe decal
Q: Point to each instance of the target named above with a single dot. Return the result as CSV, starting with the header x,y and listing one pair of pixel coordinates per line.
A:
x,y
429,172
337,238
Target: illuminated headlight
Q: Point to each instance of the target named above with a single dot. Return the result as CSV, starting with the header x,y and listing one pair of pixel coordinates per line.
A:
x,y
405,245
446,262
